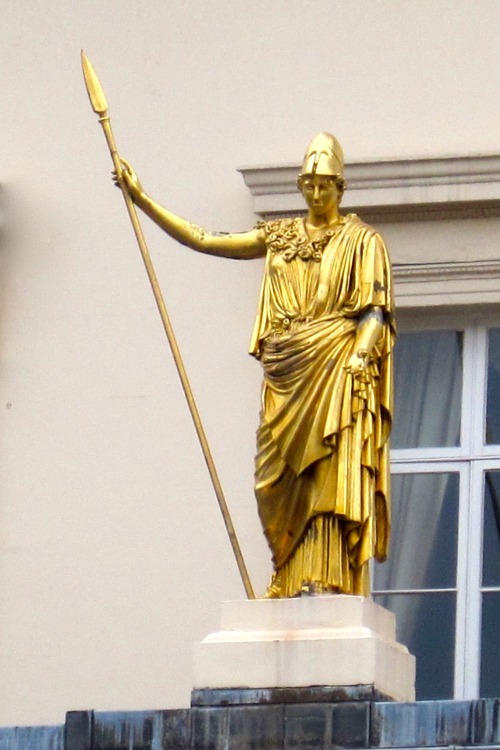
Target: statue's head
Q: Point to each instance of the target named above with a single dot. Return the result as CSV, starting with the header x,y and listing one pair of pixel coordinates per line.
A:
x,y
324,160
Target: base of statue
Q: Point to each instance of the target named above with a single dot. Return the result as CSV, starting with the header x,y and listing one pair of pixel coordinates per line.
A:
x,y
335,641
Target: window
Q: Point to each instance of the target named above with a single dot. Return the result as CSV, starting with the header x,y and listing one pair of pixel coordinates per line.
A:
x,y
442,578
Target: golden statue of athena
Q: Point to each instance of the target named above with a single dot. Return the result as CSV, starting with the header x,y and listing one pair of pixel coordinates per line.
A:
x,y
324,334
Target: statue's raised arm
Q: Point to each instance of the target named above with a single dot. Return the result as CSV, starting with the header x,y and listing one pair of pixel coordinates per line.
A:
x,y
243,246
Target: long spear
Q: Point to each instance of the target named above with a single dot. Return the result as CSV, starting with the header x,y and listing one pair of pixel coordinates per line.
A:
x,y
100,107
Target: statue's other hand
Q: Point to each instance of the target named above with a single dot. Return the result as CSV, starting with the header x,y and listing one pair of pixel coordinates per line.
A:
x,y
357,362
127,176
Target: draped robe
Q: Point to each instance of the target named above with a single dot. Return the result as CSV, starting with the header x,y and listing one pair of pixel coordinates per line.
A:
x,y
322,484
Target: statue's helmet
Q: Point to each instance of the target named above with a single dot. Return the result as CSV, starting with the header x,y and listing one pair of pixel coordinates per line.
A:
x,y
324,156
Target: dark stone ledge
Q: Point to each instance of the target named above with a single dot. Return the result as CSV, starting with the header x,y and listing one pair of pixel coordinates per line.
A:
x,y
326,727
32,738
267,696
487,721
267,725
423,724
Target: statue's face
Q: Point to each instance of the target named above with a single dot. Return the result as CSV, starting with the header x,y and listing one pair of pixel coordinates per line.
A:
x,y
321,193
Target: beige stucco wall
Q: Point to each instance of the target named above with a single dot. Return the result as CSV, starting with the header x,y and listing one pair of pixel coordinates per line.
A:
x,y
113,557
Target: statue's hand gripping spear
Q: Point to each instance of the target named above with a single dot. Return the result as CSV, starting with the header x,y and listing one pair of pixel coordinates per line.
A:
x,y
100,107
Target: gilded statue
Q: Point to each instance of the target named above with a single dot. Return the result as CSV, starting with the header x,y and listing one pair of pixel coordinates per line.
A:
x,y
324,334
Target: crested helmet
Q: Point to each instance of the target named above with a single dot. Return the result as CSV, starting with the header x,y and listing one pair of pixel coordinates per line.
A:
x,y
324,156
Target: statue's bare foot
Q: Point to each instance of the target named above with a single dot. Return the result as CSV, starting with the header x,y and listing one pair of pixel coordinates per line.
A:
x,y
274,588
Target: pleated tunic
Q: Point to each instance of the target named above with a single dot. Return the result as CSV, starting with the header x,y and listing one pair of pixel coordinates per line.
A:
x,y
322,469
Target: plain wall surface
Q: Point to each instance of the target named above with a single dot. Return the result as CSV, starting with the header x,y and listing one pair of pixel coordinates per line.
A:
x,y
113,555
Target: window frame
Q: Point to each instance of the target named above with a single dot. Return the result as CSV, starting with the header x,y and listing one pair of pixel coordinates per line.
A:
x,y
471,459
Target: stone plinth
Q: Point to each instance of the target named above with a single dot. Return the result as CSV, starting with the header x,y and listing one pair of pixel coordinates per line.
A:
x,y
309,641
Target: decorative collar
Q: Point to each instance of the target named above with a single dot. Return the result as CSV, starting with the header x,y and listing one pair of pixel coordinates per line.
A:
x,y
290,239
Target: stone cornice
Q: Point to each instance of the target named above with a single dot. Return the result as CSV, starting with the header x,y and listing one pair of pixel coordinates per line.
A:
x,y
392,190
447,271
449,283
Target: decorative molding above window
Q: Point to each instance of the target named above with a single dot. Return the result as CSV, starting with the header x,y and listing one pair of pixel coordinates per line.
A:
x,y
391,190
447,284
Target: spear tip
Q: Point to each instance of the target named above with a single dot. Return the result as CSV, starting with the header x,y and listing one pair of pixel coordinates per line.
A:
x,y
94,88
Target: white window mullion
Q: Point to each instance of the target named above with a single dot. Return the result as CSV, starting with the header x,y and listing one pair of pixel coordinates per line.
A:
x,y
467,658
474,410
471,557
416,455
471,376
461,603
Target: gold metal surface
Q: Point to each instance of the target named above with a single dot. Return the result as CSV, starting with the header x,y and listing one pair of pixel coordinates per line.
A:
x,y
99,105
324,156
324,334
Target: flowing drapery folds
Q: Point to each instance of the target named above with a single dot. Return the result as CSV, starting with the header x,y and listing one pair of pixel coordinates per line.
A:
x,y
322,483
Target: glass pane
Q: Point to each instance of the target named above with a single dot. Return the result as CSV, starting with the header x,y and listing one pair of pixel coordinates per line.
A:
x,y
493,390
423,546
491,529
490,653
428,389
425,623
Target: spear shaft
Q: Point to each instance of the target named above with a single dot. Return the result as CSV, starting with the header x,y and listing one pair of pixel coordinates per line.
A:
x,y
100,107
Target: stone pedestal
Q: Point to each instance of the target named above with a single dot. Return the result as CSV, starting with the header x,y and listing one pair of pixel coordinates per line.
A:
x,y
327,641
